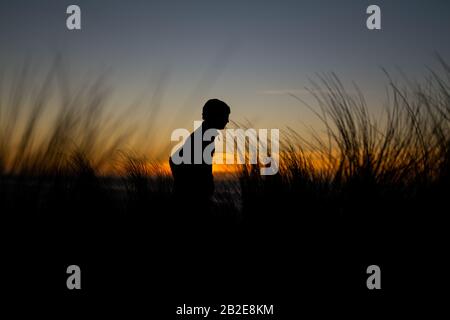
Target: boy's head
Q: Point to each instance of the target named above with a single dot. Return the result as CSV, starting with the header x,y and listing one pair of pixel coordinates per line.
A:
x,y
216,113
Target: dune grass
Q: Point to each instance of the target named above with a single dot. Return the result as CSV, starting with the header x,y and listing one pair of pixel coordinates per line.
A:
x,y
361,165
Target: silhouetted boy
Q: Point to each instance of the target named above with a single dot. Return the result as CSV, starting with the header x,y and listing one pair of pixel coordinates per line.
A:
x,y
193,181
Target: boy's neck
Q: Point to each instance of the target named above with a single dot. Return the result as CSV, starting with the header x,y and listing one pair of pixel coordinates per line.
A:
x,y
206,126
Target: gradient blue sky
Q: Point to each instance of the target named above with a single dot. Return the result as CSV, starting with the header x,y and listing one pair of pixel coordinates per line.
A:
x,y
247,53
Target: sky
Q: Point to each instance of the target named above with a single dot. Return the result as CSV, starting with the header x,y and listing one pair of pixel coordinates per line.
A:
x,y
247,53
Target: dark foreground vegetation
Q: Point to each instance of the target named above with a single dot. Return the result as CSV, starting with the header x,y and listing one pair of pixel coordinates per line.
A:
x,y
364,191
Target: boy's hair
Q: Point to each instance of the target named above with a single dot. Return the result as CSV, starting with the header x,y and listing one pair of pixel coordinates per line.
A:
x,y
214,108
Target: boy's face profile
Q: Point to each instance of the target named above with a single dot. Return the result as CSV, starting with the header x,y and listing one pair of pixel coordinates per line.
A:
x,y
216,114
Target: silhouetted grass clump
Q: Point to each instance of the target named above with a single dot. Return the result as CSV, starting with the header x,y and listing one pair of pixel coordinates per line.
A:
x,y
371,172
60,146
